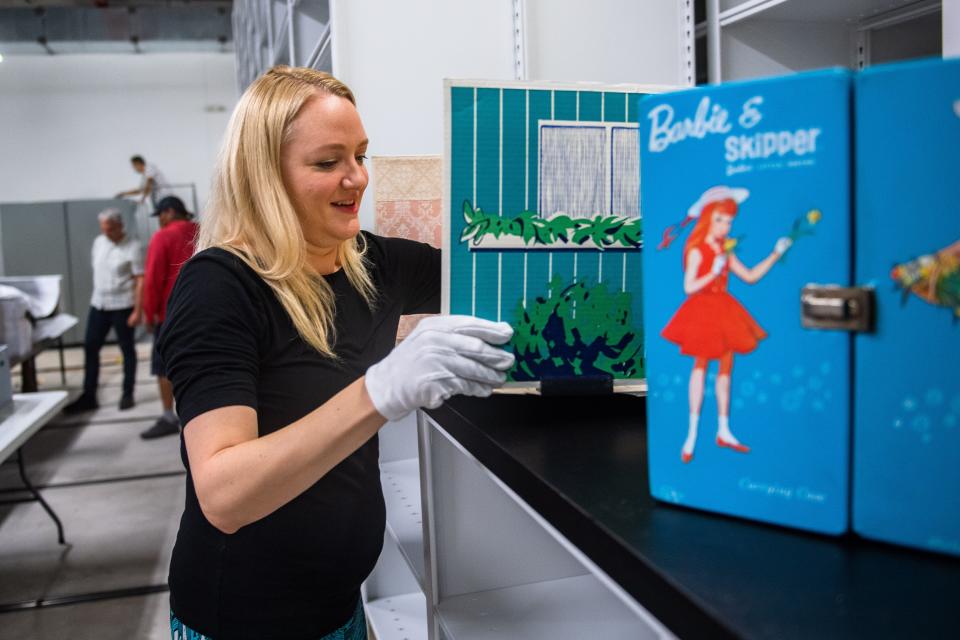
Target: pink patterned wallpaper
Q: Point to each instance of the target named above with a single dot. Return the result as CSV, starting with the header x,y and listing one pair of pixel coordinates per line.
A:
x,y
408,193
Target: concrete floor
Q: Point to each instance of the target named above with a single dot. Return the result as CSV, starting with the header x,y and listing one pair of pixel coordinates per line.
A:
x,y
120,526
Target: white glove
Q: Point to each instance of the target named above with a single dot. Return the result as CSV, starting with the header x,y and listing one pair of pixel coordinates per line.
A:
x,y
782,245
444,356
718,264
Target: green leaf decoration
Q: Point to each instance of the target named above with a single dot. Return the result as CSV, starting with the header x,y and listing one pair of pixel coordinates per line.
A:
x,y
577,328
468,212
603,231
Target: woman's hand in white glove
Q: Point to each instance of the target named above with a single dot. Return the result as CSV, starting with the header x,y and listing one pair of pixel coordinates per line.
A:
x,y
444,356
782,245
718,264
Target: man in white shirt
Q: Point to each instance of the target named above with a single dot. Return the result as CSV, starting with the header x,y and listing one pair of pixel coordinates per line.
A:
x,y
153,183
116,302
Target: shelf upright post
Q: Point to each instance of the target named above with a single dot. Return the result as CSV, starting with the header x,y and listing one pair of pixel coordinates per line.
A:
x,y
951,28
861,58
688,58
713,42
280,35
291,41
519,42
321,47
431,585
270,38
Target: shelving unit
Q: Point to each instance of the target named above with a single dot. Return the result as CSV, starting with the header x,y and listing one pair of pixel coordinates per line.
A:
x,y
509,573
566,608
269,32
400,617
447,573
394,593
401,490
568,519
755,38
851,12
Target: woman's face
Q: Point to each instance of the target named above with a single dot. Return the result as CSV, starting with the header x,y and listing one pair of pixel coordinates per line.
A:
x,y
720,225
322,163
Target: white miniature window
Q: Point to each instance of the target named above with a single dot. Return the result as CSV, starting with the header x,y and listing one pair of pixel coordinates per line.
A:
x,y
589,169
573,171
625,174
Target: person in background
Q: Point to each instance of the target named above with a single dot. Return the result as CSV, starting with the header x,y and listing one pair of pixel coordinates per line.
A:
x,y
280,342
170,247
153,184
115,303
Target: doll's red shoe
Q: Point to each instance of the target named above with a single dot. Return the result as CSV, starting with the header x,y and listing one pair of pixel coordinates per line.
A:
x,y
686,457
736,446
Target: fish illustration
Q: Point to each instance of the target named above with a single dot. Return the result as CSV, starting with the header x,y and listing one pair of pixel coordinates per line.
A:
x,y
934,278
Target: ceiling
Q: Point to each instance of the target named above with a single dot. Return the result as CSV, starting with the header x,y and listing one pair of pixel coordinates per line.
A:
x,y
114,26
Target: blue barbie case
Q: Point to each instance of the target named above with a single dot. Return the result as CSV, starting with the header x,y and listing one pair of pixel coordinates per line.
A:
x,y
906,482
746,198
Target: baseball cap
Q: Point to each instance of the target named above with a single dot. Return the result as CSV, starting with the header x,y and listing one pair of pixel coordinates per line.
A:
x,y
171,202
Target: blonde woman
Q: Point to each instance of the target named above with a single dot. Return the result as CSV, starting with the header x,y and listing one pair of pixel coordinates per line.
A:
x,y
279,344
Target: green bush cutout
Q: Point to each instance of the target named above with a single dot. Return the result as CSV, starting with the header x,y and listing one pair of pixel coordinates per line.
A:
x,y
578,329
560,229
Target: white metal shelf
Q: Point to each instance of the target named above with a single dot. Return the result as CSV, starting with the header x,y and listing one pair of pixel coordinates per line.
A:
x,y
567,608
398,617
850,12
401,491
758,38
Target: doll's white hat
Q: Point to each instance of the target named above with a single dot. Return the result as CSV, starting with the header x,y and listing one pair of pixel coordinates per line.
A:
x,y
715,194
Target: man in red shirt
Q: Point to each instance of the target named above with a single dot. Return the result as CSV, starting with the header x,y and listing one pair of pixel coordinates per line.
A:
x,y
171,246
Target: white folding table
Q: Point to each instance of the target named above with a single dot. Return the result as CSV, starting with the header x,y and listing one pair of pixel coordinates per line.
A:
x,y
26,414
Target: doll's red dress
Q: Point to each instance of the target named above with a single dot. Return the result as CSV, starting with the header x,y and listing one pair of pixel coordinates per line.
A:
x,y
711,323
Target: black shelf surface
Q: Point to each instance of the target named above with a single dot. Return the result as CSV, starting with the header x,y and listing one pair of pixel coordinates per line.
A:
x,y
582,464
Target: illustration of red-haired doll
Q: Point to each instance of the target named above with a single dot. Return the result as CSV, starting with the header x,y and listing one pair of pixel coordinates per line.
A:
x,y
711,324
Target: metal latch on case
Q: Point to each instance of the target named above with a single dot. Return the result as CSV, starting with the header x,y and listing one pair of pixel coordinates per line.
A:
x,y
834,307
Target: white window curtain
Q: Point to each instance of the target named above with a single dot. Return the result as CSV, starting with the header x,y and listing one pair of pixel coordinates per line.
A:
x,y
625,193
573,175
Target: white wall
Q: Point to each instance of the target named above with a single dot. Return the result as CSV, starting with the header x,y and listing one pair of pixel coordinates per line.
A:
x,y
608,41
69,123
395,55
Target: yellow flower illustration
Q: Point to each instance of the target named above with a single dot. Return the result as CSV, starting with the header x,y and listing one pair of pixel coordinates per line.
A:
x,y
729,245
813,216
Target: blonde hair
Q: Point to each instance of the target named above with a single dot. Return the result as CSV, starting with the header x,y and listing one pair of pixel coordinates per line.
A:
x,y
251,215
